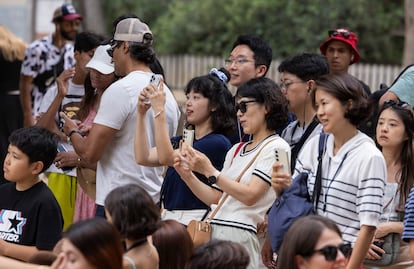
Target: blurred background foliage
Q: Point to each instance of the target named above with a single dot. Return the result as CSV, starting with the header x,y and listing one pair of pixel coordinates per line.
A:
x,y
209,27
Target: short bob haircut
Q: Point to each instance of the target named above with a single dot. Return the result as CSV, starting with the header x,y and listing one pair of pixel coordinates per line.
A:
x,y
220,99
134,214
98,241
266,91
345,88
303,236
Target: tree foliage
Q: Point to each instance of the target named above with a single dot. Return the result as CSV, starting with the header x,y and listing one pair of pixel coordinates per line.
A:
x,y
209,27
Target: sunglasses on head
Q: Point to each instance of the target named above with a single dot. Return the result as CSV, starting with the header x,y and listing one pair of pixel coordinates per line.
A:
x,y
331,252
396,104
242,106
343,33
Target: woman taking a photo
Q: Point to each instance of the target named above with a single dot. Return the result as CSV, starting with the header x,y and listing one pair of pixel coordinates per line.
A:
x,y
261,109
210,112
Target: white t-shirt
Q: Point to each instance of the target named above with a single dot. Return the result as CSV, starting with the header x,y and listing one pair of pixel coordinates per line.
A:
x,y
70,105
118,110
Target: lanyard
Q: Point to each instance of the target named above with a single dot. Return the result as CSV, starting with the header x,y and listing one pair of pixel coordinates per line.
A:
x,y
332,180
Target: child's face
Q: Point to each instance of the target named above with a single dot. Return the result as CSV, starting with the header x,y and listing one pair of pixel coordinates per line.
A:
x,y
16,165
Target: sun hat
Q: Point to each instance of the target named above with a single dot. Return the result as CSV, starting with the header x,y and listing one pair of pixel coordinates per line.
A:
x,y
66,12
101,61
343,35
132,29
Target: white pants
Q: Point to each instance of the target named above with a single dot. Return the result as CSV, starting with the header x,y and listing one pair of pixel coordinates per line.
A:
x,y
183,216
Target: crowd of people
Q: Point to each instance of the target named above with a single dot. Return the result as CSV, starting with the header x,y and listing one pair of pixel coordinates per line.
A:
x,y
98,174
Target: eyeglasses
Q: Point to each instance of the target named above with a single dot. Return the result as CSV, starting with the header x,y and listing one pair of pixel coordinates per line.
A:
x,y
114,44
284,86
331,252
345,34
236,61
397,104
242,106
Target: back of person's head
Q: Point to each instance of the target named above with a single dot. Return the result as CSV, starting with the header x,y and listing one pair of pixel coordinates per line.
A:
x,y
38,143
266,91
98,241
349,91
11,47
133,212
173,244
305,66
139,37
262,51
219,254
302,237
86,41
213,87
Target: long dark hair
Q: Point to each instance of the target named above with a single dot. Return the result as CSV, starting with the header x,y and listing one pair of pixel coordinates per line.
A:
x,y
406,173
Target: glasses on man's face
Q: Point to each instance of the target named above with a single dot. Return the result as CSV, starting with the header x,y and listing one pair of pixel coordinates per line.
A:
x,y
236,61
285,85
396,104
242,106
343,33
110,51
331,252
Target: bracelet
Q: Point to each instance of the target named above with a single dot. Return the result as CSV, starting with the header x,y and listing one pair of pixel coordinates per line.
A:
x,y
159,113
73,132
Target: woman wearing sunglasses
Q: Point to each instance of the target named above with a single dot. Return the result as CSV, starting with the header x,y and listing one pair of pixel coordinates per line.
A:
x,y
395,129
261,109
314,242
353,169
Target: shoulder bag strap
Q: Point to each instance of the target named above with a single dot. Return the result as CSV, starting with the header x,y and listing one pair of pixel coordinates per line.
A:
x,y
298,146
237,180
318,182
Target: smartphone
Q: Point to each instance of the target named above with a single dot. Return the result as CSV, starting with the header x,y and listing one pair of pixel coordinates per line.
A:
x,y
188,137
61,148
282,156
155,80
378,244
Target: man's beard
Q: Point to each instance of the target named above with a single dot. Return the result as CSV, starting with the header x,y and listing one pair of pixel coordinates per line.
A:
x,y
67,36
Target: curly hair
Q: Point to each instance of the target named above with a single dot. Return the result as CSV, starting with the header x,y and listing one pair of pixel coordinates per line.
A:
x,y
345,88
220,102
266,91
133,212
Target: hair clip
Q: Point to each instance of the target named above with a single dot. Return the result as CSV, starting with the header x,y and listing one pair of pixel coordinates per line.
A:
x,y
219,74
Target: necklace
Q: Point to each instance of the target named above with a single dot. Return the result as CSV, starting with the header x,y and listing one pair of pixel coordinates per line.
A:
x,y
136,244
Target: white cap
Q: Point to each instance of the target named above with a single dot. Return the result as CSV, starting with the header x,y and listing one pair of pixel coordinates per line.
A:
x,y
101,61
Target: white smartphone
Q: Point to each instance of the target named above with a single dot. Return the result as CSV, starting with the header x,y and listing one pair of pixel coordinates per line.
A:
x,y
156,79
188,137
282,156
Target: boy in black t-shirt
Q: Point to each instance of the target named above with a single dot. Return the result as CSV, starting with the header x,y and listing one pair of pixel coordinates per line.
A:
x,y
30,217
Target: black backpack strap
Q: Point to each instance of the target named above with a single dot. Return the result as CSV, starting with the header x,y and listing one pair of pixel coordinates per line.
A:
x,y
301,142
318,182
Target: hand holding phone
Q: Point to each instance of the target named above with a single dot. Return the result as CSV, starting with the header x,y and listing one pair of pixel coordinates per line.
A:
x,y
282,156
155,80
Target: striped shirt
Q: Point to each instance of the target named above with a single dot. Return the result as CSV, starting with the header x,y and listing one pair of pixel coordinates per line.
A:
x,y
353,182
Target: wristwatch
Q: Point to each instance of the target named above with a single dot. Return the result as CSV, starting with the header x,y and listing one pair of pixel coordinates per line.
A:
x,y
213,179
